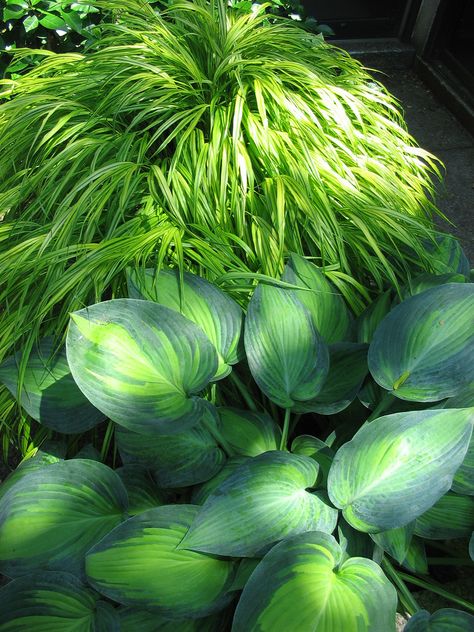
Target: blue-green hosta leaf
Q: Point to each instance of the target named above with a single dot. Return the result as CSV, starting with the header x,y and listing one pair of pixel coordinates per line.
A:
x,y
464,478
248,433
287,357
139,564
444,620
370,318
395,542
142,491
325,304
426,281
263,501
176,460
415,559
219,316
134,620
347,370
451,517
315,449
141,364
88,451
354,543
53,515
49,393
447,255
58,602
423,349
202,492
303,584
398,466
36,462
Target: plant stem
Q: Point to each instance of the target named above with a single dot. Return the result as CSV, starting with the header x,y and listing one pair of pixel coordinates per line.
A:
x,y
216,435
286,427
383,404
438,591
243,391
409,601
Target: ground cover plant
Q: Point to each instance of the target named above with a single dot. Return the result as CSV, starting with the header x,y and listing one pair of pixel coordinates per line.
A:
x,y
286,467
204,138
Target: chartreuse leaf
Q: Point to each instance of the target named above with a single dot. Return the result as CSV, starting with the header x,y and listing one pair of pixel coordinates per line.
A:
x,y
54,602
177,460
134,620
398,466
287,357
202,492
315,449
303,584
444,620
347,370
141,364
139,564
248,433
368,321
142,491
53,515
395,542
422,351
263,501
325,304
451,517
219,316
49,393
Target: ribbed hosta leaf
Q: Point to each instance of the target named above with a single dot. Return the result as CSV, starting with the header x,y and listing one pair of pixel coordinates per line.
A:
x,y
451,517
177,460
141,364
49,393
263,501
426,281
219,316
142,490
248,433
398,466
54,602
139,564
347,370
302,584
315,449
422,351
463,482
134,620
370,318
446,255
445,620
354,543
53,515
202,492
415,559
36,462
325,304
287,356
395,542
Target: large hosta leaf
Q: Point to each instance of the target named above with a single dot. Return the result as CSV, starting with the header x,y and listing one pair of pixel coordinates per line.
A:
x,y
36,462
325,304
445,620
202,492
141,364
139,564
287,357
142,491
451,517
53,515
398,466
248,433
415,559
54,602
49,393
347,370
395,542
447,255
303,584
423,350
263,501
426,281
217,314
177,460
371,317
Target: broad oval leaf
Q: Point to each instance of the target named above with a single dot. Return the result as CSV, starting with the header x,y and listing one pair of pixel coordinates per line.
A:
x,y
177,460
423,350
347,370
49,393
202,492
263,501
54,601
139,564
415,559
325,304
452,516
371,317
444,620
143,494
36,462
447,255
426,281
315,449
248,433
397,467
303,584
218,315
395,542
53,515
287,357
141,364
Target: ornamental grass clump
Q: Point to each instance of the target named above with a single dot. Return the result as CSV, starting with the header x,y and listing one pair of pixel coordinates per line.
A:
x,y
207,139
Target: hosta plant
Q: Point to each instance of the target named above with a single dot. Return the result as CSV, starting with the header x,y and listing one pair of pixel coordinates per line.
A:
x,y
206,138
287,468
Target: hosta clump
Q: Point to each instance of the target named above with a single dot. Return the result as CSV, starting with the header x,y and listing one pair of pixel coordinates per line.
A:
x,y
216,520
